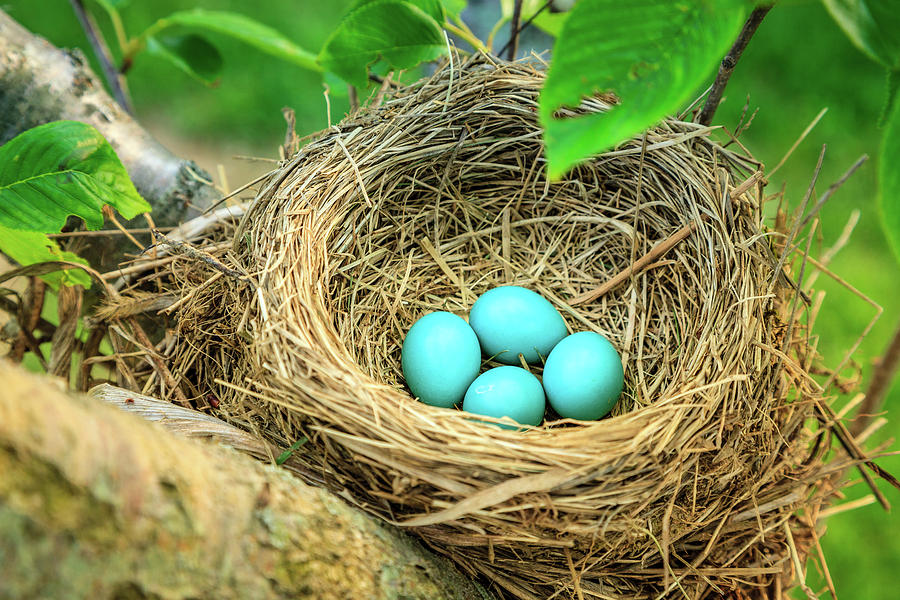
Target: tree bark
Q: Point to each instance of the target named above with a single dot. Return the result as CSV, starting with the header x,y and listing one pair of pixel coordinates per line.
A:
x,y
40,83
96,503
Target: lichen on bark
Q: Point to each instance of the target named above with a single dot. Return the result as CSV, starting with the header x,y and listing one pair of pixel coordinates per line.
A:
x,y
97,503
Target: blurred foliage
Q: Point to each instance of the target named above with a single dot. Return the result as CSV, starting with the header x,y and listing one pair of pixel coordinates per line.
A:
x,y
798,63
245,105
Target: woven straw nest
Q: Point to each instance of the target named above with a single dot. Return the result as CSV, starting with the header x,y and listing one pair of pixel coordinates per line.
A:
x,y
436,194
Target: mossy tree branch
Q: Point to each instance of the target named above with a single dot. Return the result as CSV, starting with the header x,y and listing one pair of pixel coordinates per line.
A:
x,y
97,503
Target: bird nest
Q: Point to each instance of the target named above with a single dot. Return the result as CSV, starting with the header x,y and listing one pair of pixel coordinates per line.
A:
x,y
435,193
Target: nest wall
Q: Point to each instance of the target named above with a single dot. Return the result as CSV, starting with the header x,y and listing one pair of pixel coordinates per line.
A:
x,y
434,194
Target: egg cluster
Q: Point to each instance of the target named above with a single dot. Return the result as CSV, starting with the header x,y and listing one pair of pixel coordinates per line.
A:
x,y
442,354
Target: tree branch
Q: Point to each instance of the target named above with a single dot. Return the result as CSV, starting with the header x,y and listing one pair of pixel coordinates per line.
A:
x,y
96,503
40,83
730,62
112,75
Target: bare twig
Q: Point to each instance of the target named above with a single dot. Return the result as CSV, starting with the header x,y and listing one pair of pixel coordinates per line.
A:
x,y
515,31
91,349
798,141
353,98
110,214
828,418
106,232
29,315
11,307
652,255
833,188
291,141
191,252
879,385
161,367
730,62
112,75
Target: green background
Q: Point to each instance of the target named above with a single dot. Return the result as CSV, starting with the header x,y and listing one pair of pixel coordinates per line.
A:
x,y
798,63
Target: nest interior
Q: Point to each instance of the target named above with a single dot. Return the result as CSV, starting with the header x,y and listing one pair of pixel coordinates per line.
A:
x,y
435,193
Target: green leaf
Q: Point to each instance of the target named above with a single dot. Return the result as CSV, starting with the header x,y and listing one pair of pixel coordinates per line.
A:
x,y
30,247
60,169
284,456
191,53
400,32
239,27
652,53
890,96
889,180
872,25
454,7
433,8
113,5
551,23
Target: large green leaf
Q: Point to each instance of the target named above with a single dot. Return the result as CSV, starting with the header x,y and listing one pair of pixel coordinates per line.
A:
x,y
30,247
652,53
872,25
399,32
433,8
239,27
892,85
53,171
60,169
191,53
889,180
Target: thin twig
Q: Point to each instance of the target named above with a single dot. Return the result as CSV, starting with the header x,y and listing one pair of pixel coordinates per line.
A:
x,y
833,188
12,308
105,232
523,27
111,215
514,31
191,252
829,419
291,141
103,54
161,367
730,62
90,349
798,141
29,315
652,255
879,385
353,97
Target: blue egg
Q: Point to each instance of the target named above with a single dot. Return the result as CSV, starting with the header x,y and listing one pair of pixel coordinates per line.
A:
x,y
507,392
440,358
583,376
511,320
